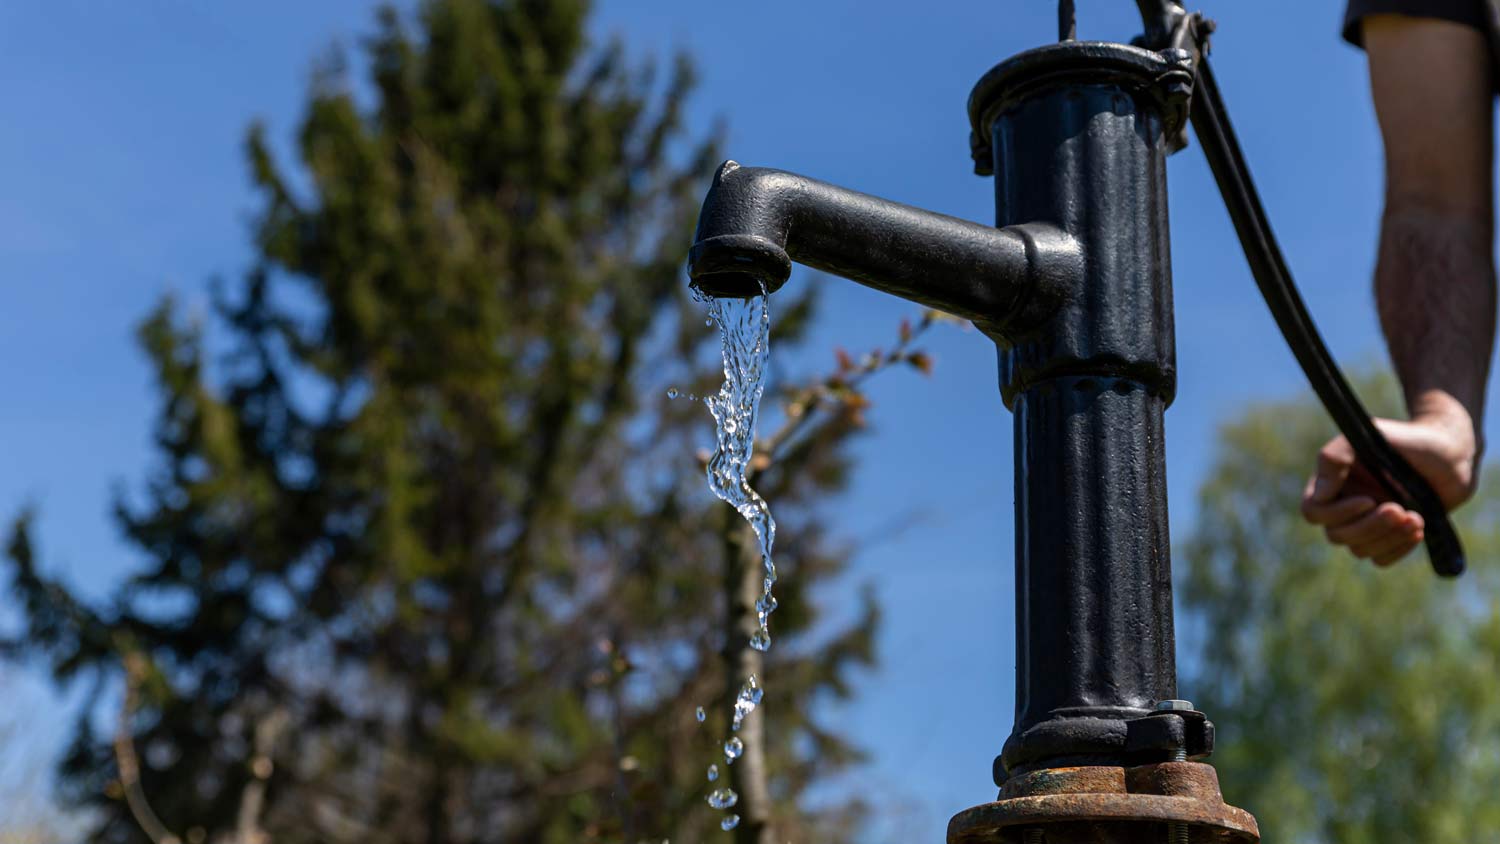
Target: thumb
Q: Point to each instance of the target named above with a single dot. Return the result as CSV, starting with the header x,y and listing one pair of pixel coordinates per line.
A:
x,y
1334,462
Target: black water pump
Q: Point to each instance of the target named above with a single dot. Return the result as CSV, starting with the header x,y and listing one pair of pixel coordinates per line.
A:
x,y
1073,284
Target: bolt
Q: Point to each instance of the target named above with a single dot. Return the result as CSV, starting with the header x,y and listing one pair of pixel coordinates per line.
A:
x,y
1177,833
1034,836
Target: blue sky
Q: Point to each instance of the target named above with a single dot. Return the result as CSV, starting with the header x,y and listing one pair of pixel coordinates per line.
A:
x,y
124,179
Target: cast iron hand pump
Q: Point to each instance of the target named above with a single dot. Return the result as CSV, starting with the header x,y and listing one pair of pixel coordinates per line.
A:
x,y
1073,284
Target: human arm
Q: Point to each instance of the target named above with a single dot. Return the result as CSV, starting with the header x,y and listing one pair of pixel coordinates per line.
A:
x,y
1434,279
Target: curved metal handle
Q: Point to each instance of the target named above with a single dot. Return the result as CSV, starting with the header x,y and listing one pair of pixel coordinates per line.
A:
x,y
1405,485
1160,18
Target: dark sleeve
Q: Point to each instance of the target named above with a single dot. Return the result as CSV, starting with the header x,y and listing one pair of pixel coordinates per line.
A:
x,y
1468,12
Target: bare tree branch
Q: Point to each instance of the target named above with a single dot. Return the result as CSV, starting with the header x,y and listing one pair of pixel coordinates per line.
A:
x,y
802,409
127,760
808,408
252,800
748,773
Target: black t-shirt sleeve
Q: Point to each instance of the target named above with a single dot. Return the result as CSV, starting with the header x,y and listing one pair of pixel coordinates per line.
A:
x,y
1469,12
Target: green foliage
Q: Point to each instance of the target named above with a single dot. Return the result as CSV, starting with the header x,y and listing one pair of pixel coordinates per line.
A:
x,y
432,512
1354,704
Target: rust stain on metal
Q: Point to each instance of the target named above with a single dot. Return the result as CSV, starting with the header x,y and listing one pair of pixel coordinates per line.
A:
x,y
1108,805
1082,780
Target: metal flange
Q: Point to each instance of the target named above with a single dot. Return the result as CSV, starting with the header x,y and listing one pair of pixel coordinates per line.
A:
x,y
1107,805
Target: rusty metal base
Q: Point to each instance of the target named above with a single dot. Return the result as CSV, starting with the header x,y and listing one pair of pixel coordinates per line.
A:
x,y
1103,805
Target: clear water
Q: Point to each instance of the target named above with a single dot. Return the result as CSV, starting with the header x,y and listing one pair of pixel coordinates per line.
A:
x,y
746,701
723,798
745,329
745,332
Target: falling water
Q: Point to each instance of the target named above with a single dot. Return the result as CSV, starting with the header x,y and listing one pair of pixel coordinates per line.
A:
x,y
744,328
748,698
733,748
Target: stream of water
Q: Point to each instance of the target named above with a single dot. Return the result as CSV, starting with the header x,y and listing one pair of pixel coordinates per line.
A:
x,y
745,332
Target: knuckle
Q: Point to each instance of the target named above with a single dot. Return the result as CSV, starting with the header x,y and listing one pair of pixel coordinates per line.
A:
x,y
1334,453
1311,511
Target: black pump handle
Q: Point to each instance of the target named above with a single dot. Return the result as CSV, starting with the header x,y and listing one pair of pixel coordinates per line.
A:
x,y
1267,264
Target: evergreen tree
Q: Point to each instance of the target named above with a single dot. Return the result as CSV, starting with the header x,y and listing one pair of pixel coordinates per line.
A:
x,y
1355,705
429,556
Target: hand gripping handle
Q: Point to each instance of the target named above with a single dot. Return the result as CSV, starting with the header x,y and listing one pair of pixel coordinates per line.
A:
x,y
1396,475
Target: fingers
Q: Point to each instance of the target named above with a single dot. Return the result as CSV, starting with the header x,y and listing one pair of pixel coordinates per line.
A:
x,y
1338,512
1334,462
1352,508
1369,529
1383,535
1394,552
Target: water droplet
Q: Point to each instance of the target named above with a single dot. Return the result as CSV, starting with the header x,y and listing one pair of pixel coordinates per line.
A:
x,y
713,772
709,321
723,798
732,749
766,605
672,393
746,701
730,822
761,639
702,716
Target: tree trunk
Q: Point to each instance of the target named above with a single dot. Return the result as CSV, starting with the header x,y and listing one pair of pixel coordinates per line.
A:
x,y
747,775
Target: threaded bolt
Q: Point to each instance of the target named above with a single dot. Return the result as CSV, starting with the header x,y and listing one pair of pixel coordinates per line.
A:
x,y
1035,836
1177,833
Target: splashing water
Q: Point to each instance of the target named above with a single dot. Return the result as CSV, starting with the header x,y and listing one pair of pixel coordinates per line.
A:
x,y
745,328
746,701
745,332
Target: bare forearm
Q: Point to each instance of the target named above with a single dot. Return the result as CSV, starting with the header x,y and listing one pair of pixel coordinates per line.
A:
x,y
1435,289
1435,281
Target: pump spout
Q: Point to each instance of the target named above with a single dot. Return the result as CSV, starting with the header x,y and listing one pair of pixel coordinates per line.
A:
x,y
757,221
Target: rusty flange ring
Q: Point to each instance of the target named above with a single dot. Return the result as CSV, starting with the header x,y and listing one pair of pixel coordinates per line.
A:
x,y
1104,804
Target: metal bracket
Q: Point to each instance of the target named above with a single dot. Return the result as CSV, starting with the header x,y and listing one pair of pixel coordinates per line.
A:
x,y
1159,734
1185,45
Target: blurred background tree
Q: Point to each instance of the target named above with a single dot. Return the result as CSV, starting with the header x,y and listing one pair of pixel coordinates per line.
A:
x,y
428,555
30,816
1355,704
